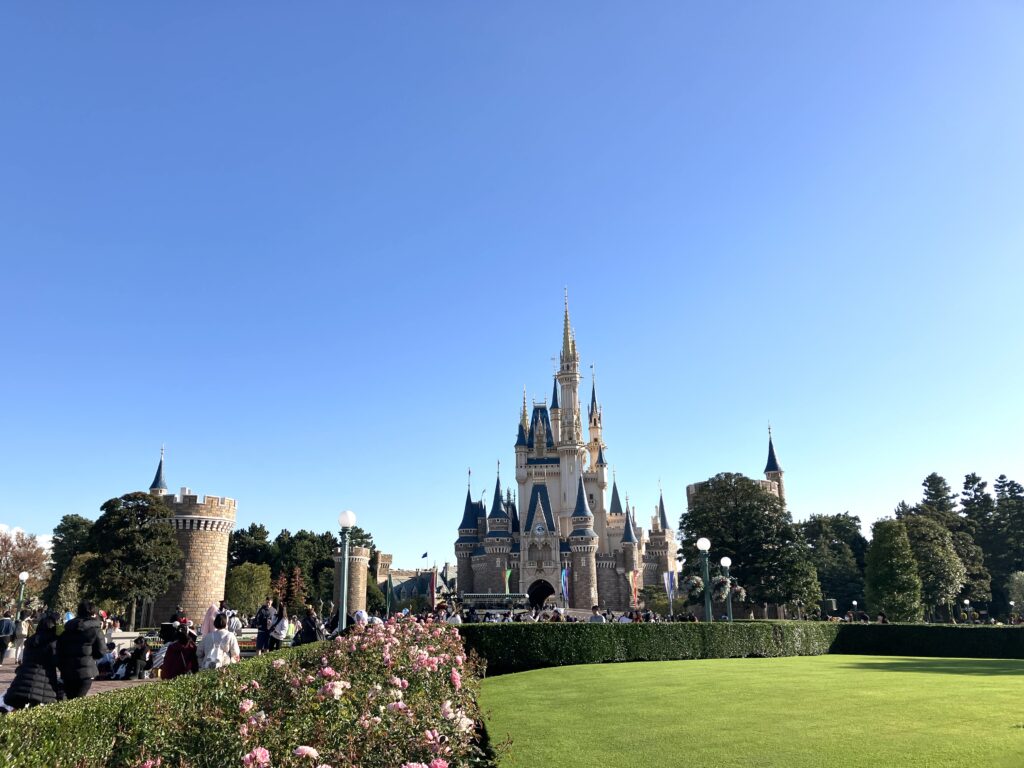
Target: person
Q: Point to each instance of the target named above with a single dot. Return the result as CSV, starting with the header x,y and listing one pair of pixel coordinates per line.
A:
x,y
882,618
6,634
105,666
266,617
309,631
234,623
218,648
595,615
278,630
36,681
22,632
181,657
211,614
455,618
78,649
119,671
113,627
139,659
625,618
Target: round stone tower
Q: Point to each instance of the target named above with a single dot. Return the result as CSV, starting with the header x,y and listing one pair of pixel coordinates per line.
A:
x,y
202,528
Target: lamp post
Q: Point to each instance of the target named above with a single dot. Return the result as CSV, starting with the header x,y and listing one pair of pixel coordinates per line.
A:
x,y
346,520
854,610
22,577
1010,621
703,545
967,610
726,562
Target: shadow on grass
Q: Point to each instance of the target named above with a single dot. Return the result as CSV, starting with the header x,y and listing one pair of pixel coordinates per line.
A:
x,y
983,667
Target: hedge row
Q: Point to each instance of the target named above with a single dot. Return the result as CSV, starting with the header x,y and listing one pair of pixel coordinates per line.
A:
x,y
519,647
947,640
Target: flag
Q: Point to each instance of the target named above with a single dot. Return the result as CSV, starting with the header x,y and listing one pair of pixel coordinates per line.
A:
x,y
508,575
670,584
388,596
565,584
423,556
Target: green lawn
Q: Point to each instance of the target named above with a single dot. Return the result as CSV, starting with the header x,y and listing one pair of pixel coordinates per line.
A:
x,y
807,711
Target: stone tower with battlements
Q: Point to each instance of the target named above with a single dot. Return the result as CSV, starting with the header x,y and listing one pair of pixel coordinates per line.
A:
x,y
203,527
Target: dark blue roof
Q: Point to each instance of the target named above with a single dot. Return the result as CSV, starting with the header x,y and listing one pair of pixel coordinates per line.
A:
x,y
158,480
498,507
499,535
468,514
467,540
628,534
513,514
593,398
554,394
515,547
478,550
521,437
662,517
600,457
582,508
539,501
773,463
481,508
616,507
583,533
563,546
541,421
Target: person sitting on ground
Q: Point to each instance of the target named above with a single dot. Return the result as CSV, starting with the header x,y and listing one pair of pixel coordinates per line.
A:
x,y
220,647
78,649
139,662
180,658
105,666
119,671
36,681
595,615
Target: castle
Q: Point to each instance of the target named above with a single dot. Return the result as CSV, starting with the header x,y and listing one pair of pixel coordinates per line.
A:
x,y
568,540
203,529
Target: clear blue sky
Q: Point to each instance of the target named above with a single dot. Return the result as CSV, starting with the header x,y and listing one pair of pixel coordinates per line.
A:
x,y
318,249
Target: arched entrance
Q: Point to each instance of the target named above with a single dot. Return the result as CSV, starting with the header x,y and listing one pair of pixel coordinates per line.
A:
x,y
538,592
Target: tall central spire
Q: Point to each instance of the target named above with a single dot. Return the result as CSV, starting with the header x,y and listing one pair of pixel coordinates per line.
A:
x,y
568,342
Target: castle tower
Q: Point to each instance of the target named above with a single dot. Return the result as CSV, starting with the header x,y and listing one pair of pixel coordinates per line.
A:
x,y
583,545
630,559
556,411
159,486
497,545
772,471
595,445
202,528
468,541
660,555
570,445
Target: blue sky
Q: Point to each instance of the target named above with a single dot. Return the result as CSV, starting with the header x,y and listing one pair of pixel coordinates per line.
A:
x,y
319,250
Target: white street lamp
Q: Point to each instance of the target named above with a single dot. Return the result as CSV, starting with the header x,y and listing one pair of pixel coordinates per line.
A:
x,y
346,520
704,544
22,577
726,562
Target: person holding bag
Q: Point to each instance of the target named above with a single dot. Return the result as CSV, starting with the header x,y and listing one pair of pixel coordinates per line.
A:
x,y
278,629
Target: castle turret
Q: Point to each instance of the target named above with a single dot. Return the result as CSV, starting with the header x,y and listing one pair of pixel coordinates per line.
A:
x,y
497,544
159,485
571,452
594,425
630,560
464,545
772,471
583,544
556,412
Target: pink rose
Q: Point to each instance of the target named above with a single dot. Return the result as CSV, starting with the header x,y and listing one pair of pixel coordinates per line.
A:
x,y
258,758
278,663
456,679
438,762
246,705
305,751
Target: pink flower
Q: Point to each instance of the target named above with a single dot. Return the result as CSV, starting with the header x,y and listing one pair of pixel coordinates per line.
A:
x,y
245,705
278,663
438,762
305,751
446,710
254,685
258,758
327,672
456,679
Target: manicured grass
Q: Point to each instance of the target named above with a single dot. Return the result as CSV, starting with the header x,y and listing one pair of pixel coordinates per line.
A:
x,y
815,711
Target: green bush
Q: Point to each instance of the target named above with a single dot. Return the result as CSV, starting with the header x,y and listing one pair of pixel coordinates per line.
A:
x,y
519,647
946,640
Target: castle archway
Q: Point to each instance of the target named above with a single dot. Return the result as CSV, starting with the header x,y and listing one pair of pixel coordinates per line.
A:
x,y
539,592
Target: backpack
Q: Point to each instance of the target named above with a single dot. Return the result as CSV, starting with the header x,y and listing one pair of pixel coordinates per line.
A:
x,y
6,627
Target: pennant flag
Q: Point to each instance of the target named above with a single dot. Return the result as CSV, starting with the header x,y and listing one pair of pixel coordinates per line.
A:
x,y
508,575
670,584
423,556
565,584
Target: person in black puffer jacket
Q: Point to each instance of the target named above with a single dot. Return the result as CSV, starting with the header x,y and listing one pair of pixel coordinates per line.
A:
x,y
78,648
36,681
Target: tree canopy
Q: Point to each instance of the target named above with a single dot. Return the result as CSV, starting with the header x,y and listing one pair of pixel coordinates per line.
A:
x,y
891,581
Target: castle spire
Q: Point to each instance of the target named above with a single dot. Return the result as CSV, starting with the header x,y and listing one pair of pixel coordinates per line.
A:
x,y
616,506
773,463
524,421
662,516
568,339
159,485
628,534
582,508
593,391
497,507
554,395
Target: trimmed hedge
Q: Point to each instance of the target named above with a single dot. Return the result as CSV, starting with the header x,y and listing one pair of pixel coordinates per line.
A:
x,y
519,647
947,640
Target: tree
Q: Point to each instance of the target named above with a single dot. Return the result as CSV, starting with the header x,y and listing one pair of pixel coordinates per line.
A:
x,y
281,587
941,572
70,539
69,592
837,549
139,553
940,502
247,587
19,552
891,583
250,545
375,602
1015,590
296,591
750,525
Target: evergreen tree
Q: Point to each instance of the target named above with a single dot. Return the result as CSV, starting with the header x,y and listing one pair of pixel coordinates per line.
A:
x,y
834,543
139,557
296,591
250,545
70,539
940,570
891,581
247,587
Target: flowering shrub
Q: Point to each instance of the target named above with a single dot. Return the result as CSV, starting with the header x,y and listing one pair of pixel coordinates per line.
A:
x,y
384,696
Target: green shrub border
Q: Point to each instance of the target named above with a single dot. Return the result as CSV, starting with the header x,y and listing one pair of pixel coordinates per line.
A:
x,y
520,647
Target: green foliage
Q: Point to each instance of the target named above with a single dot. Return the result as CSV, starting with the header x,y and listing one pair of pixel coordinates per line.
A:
x,y
375,602
69,592
751,526
70,539
940,570
891,581
838,551
139,556
247,587
1015,590
250,545
953,640
518,647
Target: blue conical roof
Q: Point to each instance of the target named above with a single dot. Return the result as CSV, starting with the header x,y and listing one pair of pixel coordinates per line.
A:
x,y
498,506
521,437
593,397
554,394
628,534
616,506
662,517
582,508
468,514
600,457
773,463
158,480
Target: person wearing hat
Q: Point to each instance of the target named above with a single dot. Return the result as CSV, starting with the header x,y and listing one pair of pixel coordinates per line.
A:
x,y
181,657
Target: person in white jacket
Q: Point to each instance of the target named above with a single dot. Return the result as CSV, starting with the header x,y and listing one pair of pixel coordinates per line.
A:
x,y
219,647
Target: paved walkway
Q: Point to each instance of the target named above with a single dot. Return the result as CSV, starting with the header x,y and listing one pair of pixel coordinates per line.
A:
x,y
98,686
